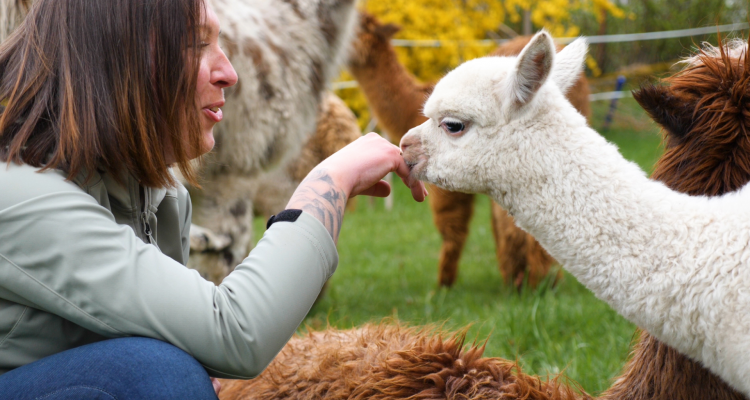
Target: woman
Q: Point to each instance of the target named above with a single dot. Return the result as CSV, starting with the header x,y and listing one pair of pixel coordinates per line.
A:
x,y
101,99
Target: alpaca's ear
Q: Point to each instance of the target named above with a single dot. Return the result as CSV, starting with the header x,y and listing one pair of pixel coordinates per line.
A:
x,y
665,109
387,31
532,68
569,64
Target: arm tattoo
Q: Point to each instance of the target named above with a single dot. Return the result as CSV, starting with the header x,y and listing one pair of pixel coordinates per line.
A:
x,y
320,197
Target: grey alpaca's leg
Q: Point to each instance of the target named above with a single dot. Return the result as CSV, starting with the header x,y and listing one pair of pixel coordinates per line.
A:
x,y
223,209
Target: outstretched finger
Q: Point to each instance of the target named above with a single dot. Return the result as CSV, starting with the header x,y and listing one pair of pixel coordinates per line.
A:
x,y
380,189
418,191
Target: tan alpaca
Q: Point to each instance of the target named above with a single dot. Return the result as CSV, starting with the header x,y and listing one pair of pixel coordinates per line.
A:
x,y
336,127
396,99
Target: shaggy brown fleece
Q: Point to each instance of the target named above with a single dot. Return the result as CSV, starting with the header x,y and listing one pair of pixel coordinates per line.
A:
x,y
391,362
396,99
705,118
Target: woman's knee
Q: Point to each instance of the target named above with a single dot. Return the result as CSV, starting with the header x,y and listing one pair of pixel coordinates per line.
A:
x,y
125,368
156,367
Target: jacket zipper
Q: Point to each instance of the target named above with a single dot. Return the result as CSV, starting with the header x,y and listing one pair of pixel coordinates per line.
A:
x,y
144,217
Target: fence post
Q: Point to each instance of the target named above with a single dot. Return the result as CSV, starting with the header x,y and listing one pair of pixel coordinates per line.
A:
x,y
613,103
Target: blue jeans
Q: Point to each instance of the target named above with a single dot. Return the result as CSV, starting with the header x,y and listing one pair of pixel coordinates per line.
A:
x,y
122,369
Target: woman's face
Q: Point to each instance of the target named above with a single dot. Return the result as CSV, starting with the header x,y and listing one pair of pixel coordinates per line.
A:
x,y
215,74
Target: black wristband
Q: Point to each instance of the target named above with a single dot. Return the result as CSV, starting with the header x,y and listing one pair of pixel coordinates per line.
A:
x,y
286,215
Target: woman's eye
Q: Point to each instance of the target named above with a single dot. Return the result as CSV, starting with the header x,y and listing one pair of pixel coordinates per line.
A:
x,y
453,126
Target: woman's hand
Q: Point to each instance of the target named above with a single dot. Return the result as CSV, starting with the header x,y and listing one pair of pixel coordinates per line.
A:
x,y
356,169
217,385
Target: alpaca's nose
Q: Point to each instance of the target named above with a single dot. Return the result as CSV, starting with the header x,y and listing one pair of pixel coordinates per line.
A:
x,y
408,140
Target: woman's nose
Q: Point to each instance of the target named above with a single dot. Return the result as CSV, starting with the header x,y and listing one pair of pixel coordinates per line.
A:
x,y
224,74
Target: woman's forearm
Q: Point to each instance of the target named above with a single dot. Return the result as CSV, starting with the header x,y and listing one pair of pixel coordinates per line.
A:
x,y
357,169
319,196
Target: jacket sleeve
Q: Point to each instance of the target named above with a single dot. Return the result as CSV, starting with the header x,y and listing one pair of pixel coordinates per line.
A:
x,y
63,253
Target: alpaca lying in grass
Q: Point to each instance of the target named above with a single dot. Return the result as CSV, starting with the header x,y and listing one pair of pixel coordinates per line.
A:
x,y
675,265
396,99
390,362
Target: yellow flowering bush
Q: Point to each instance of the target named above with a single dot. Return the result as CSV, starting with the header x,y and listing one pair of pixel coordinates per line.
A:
x,y
459,25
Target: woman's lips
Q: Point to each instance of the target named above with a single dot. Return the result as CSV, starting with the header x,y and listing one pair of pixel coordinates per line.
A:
x,y
214,114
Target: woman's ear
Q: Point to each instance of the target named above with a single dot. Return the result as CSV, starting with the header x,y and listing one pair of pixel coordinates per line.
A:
x,y
532,68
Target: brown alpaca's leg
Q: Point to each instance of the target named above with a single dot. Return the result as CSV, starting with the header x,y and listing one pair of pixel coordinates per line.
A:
x,y
451,213
509,246
538,262
658,372
520,257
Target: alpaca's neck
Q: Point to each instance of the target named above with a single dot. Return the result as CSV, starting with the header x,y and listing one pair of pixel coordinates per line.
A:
x,y
630,240
393,93
578,193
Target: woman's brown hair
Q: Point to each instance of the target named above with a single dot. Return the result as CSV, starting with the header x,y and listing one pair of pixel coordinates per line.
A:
x,y
107,85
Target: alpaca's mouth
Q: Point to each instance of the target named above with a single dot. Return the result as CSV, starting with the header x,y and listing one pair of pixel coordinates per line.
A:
x,y
416,168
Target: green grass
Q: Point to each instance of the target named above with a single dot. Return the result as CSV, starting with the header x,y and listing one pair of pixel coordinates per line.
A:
x,y
388,269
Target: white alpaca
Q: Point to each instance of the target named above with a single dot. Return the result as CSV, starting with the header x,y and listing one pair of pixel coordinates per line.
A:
x,y
675,265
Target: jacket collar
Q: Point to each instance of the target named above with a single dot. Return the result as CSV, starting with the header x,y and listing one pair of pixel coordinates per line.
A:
x,y
127,196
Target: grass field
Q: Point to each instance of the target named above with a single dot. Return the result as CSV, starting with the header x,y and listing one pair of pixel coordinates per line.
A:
x,y
388,269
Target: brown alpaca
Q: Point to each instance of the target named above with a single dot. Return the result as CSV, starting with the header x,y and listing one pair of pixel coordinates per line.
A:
x,y
707,153
391,362
396,99
705,120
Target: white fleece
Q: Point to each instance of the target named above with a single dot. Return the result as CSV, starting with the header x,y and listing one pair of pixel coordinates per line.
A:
x,y
675,265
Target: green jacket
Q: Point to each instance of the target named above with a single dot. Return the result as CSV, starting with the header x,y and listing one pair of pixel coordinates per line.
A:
x,y
76,267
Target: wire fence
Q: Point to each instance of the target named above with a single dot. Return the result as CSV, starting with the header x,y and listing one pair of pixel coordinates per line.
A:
x,y
618,38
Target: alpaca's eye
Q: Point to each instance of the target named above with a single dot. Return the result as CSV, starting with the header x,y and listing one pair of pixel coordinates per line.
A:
x,y
452,126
